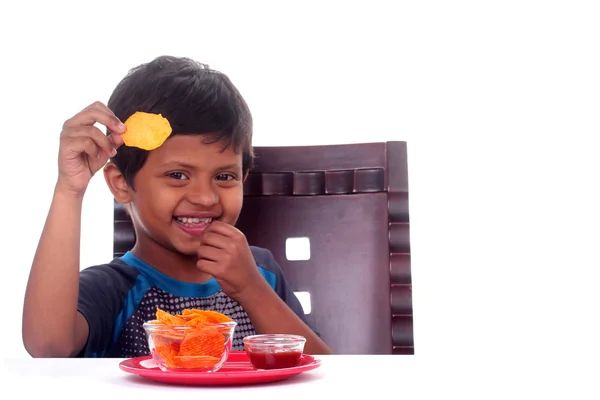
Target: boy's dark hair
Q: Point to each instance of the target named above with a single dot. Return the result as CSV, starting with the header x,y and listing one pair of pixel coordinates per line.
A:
x,y
194,98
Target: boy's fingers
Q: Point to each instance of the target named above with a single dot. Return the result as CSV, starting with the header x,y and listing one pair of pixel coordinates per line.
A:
x,y
83,144
99,106
95,114
214,239
117,140
221,228
207,266
101,140
208,253
102,107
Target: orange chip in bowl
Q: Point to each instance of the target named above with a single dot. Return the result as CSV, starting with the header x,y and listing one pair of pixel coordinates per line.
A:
x,y
169,319
205,342
197,320
202,315
146,131
195,340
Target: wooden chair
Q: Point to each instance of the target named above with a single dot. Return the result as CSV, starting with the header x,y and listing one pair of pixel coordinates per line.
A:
x,y
351,202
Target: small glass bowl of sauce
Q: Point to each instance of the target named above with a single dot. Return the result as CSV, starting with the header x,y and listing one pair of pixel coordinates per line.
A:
x,y
274,351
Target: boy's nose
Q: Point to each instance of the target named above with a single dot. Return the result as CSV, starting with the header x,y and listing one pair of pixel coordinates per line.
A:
x,y
202,195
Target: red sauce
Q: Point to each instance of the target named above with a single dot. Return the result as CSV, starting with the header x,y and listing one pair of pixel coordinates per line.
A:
x,y
286,359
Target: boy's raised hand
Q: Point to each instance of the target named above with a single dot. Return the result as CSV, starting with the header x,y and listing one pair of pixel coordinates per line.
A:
x,y
224,253
84,148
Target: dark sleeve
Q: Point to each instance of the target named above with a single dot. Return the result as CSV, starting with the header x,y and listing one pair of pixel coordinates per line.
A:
x,y
283,288
102,293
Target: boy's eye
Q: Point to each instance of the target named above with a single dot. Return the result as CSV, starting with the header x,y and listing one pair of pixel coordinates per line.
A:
x,y
177,175
225,177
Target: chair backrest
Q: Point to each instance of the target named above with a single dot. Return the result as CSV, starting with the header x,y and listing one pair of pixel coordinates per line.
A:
x,y
351,202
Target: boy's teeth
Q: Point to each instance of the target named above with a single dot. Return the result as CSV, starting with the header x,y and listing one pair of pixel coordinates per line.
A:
x,y
190,220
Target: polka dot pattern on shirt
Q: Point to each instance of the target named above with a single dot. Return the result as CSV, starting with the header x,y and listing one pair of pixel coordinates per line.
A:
x,y
132,341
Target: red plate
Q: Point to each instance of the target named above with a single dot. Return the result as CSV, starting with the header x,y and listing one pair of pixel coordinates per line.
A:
x,y
237,370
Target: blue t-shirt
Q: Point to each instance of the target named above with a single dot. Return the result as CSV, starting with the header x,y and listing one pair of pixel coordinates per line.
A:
x,y
118,297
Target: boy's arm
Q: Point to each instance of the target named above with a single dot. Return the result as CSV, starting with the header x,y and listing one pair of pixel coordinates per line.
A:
x,y
52,327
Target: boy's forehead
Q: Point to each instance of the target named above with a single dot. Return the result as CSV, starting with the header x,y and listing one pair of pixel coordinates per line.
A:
x,y
194,149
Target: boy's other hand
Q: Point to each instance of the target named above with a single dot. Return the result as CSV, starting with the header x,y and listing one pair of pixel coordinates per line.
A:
x,y
225,254
84,148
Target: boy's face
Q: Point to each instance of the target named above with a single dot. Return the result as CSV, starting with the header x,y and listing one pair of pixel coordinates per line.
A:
x,y
183,186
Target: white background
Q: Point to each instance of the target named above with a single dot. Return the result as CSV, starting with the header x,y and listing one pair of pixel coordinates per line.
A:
x,y
499,103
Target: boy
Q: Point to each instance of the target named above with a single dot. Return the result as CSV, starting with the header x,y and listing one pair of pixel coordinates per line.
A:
x,y
184,199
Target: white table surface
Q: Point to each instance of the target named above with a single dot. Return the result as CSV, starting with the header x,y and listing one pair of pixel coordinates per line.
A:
x,y
339,378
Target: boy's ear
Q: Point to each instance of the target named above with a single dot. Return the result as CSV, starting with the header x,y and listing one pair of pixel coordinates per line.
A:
x,y
116,183
245,176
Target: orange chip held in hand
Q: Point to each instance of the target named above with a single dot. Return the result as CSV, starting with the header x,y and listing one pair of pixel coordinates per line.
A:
x,y
200,347
146,131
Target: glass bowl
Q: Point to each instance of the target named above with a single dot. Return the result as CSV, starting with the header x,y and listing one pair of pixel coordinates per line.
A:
x,y
194,348
274,351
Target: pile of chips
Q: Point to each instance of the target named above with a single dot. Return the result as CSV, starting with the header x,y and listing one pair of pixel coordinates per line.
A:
x,y
199,347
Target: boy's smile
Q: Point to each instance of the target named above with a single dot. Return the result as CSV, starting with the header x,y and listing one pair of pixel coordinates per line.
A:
x,y
183,187
194,223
